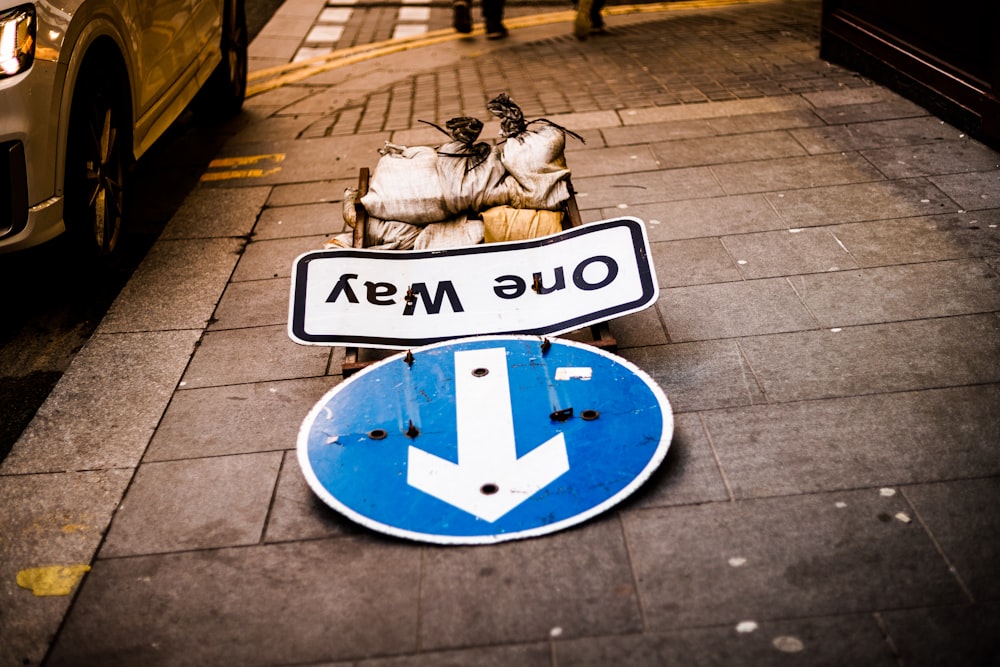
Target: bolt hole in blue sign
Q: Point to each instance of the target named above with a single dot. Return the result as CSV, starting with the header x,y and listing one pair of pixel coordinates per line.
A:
x,y
485,439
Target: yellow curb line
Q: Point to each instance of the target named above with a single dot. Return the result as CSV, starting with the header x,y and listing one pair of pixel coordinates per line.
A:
x,y
276,77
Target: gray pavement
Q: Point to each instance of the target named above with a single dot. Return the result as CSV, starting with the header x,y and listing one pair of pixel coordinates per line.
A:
x,y
827,333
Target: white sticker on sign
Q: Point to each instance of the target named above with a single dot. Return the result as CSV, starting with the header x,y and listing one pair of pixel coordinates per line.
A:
x,y
570,373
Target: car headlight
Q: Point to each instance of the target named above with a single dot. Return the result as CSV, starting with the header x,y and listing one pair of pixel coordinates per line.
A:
x,y
17,40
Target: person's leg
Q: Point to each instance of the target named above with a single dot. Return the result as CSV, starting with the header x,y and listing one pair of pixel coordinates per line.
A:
x,y
493,16
462,20
596,20
582,24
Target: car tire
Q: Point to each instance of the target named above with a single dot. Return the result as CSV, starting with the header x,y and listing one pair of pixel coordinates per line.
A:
x,y
226,89
98,154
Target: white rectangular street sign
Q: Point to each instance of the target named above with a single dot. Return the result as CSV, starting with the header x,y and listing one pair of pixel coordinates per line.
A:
x,y
400,299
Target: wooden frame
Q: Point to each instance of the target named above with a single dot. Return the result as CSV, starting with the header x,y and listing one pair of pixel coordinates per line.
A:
x,y
600,332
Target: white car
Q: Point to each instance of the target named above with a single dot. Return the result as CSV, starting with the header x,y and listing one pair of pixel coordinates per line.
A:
x,y
86,87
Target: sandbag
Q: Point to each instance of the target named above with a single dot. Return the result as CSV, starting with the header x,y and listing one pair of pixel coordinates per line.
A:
x,y
535,160
380,235
462,231
405,187
504,223
472,177
533,155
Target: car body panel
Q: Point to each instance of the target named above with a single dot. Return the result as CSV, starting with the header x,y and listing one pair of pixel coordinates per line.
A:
x,y
169,49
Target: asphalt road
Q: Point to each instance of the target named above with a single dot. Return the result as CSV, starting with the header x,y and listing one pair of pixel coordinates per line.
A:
x,y
52,301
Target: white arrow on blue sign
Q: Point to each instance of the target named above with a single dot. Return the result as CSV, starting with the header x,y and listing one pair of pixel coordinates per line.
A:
x,y
485,439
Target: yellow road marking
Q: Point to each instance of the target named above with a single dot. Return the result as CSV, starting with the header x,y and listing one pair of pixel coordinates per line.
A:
x,y
238,173
231,173
272,78
220,163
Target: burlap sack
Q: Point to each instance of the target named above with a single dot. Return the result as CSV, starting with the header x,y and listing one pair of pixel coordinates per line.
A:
x,y
462,231
503,223
405,186
472,181
535,160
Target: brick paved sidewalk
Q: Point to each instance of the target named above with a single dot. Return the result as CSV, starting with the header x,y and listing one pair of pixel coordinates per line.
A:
x,y
828,334
711,56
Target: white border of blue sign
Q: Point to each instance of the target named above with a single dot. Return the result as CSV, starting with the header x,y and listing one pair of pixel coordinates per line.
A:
x,y
321,407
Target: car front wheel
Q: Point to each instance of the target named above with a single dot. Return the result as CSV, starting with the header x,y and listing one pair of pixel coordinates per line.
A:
x,y
96,155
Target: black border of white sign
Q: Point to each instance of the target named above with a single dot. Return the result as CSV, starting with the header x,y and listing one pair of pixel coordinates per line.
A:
x,y
544,286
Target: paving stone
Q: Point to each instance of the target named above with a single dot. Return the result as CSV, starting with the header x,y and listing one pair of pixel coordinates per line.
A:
x,y
922,239
255,303
943,157
645,187
858,202
788,253
959,514
122,382
235,419
857,113
692,262
179,304
877,134
274,259
858,441
814,641
311,192
642,116
260,354
212,212
268,51
580,581
964,635
610,161
719,150
291,25
973,192
302,220
424,135
895,293
699,376
764,122
783,558
59,521
796,172
310,159
845,97
689,475
585,120
194,504
730,310
275,604
638,329
258,122
877,358
699,218
658,132
523,655
298,514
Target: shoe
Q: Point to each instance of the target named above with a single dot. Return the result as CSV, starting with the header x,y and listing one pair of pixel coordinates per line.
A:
x,y
599,29
496,32
463,17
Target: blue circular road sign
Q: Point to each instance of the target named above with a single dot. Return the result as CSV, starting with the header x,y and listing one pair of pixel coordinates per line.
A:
x,y
485,439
